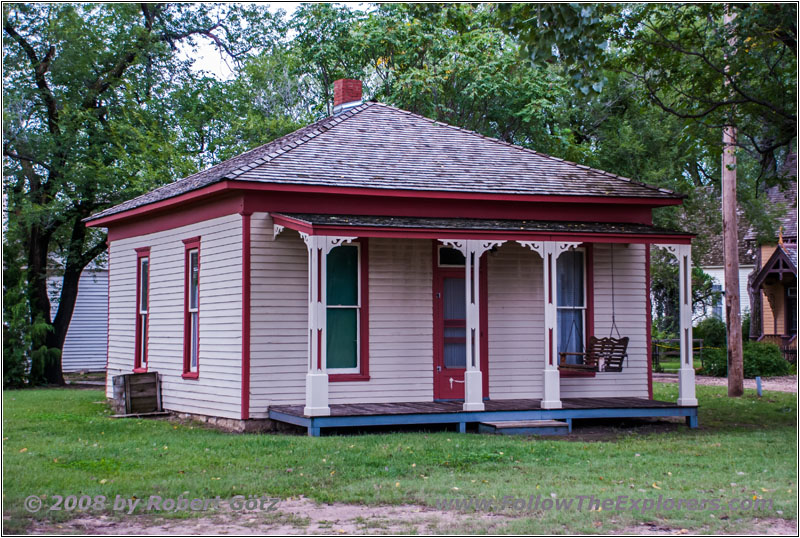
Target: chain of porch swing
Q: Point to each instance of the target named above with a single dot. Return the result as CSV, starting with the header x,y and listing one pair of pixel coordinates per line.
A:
x,y
614,327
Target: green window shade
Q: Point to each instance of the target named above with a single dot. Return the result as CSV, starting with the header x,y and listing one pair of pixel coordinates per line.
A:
x,y
342,338
342,277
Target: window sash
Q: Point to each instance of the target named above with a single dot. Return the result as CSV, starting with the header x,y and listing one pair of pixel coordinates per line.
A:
x,y
143,340
194,280
144,284
338,316
458,254
331,337
142,296
194,340
580,343
191,331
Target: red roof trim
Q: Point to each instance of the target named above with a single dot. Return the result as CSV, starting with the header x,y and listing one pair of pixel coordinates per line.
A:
x,y
439,233
238,185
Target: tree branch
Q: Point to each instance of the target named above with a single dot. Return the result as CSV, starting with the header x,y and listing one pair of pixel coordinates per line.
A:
x,y
8,152
97,249
675,46
40,67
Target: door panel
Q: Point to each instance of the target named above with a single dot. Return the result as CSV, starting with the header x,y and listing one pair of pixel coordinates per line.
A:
x,y
450,357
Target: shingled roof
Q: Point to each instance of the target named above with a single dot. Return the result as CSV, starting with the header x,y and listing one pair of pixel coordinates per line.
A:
x,y
377,146
496,225
785,200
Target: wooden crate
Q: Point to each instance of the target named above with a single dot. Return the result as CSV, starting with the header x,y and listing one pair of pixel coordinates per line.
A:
x,y
137,393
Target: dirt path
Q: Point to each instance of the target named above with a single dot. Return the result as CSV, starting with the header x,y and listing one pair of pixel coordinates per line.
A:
x,y
293,516
303,516
787,383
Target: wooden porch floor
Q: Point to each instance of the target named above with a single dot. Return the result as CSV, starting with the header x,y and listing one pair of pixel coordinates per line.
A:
x,y
413,408
419,413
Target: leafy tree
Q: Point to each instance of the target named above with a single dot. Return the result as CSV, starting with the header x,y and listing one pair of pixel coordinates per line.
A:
x,y
450,63
665,291
88,99
696,69
326,46
690,64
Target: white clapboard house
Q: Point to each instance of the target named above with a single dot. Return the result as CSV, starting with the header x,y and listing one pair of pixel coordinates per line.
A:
x,y
381,268
86,342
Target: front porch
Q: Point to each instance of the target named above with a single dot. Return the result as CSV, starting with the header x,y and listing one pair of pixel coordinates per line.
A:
x,y
421,413
464,321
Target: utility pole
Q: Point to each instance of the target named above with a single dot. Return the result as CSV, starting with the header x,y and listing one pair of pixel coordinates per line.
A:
x,y
730,250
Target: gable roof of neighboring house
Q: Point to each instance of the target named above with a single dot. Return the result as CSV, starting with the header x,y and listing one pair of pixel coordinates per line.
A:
x,y
709,232
785,198
377,146
783,260
788,199
714,255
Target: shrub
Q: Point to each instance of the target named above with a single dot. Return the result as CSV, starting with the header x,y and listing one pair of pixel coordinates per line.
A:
x,y
715,362
760,359
712,331
764,359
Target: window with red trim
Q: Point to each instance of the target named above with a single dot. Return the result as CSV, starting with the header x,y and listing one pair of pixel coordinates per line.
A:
x,y
191,310
575,280
347,350
142,308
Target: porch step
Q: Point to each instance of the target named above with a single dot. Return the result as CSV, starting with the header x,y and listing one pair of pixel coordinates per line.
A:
x,y
525,427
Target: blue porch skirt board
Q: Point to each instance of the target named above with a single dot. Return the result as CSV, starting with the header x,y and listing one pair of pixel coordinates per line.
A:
x,y
402,414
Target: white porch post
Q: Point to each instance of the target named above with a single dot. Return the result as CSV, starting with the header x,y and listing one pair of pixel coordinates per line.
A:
x,y
473,377
686,388
316,378
550,251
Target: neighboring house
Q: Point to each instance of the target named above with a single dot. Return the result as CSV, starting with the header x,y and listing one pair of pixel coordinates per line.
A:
x,y
85,346
713,264
773,283
378,268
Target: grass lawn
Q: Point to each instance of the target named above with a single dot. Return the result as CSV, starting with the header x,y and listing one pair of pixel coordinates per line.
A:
x,y
61,441
670,367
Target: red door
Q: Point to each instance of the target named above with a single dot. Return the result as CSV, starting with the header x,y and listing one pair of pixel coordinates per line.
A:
x,y
450,334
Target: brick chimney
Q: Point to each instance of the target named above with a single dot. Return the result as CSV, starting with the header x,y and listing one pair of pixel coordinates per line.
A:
x,y
346,94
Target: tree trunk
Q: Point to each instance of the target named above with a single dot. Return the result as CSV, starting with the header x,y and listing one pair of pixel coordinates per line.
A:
x,y
45,359
730,240
730,252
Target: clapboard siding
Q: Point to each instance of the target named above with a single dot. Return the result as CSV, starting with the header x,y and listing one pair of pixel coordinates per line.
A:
x,y
401,325
217,391
515,321
630,305
400,321
279,316
718,274
85,343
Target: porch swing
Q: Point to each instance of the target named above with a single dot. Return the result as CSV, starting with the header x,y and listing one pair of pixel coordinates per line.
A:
x,y
601,354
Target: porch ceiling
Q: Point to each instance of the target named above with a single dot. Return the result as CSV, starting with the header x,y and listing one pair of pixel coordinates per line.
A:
x,y
438,228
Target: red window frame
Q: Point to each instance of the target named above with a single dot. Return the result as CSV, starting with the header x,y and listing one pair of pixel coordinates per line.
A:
x,y
140,361
190,245
589,283
363,322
